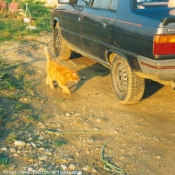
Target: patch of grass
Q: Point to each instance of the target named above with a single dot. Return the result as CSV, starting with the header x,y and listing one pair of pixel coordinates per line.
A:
x,y
11,137
21,106
4,160
12,26
32,117
60,142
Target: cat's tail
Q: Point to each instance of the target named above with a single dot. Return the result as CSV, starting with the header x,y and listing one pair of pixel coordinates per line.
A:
x,y
47,54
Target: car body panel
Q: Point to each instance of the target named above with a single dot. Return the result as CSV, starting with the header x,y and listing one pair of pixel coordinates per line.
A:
x,y
97,31
127,31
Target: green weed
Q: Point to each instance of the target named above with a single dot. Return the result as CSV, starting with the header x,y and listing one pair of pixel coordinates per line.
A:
x,y
4,160
60,142
12,26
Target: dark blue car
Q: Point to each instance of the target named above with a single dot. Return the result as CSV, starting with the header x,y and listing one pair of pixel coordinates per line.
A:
x,y
135,39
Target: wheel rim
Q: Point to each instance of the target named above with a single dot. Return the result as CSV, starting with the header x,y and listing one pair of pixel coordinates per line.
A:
x,y
57,42
121,78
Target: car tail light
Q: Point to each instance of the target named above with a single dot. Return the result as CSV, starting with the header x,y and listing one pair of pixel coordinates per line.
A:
x,y
164,45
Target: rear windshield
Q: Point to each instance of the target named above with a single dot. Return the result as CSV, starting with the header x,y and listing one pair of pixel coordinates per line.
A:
x,y
145,4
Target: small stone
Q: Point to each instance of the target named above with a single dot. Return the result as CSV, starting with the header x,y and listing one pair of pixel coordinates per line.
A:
x,y
94,170
30,169
90,140
48,153
86,168
33,144
41,170
53,132
64,167
41,149
158,157
19,143
12,167
12,150
116,132
43,158
67,114
4,149
40,138
96,129
72,166
98,120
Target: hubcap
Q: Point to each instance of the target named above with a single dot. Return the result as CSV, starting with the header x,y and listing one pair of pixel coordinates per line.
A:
x,y
57,41
121,78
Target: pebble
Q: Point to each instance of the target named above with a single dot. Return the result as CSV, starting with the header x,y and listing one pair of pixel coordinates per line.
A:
x,y
116,131
56,132
30,169
42,158
86,168
12,150
67,114
72,166
64,167
33,144
49,153
19,143
4,149
158,157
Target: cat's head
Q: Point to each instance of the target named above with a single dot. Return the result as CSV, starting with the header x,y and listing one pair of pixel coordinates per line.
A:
x,y
73,76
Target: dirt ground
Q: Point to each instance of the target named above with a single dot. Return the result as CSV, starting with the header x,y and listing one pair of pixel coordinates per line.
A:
x,y
142,136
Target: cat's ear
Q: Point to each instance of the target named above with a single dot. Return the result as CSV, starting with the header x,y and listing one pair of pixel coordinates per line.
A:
x,y
74,74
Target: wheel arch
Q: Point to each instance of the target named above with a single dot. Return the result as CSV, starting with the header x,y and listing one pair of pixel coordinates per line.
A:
x,y
55,21
130,58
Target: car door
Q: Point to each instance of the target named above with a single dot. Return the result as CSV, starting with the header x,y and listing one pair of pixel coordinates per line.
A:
x,y
97,26
72,24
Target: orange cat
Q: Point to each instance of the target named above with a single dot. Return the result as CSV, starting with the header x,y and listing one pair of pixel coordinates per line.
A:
x,y
59,73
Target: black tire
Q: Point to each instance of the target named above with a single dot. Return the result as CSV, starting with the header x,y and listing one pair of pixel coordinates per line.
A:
x,y
62,51
127,86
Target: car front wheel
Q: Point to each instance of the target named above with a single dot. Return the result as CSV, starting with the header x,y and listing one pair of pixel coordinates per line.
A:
x,y
127,86
62,51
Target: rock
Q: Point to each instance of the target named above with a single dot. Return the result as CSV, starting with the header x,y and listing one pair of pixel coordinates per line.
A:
x,y
72,166
41,138
64,167
116,131
158,157
86,168
41,149
43,158
4,149
19,143
96,129
48,153
12,150
33,144
53,132
67,114
30,169
94,170
12,167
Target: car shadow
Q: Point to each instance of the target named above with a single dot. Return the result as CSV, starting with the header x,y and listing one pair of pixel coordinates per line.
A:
x,y
151,87
89,72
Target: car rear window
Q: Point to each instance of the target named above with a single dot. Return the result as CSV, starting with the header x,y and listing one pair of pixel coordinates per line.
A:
x,y
145,4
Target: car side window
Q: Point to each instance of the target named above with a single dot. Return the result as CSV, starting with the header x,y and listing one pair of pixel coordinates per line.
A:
x,y
114,5
104,4
81,2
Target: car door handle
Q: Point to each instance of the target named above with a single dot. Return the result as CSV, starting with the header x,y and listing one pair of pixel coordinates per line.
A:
x,y
105,22
80,18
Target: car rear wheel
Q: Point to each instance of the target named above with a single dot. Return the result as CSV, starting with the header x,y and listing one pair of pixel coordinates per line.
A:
x,y
127,86
62,51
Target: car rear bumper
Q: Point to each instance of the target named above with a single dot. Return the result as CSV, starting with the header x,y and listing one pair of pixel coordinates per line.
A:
x,y
163,69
